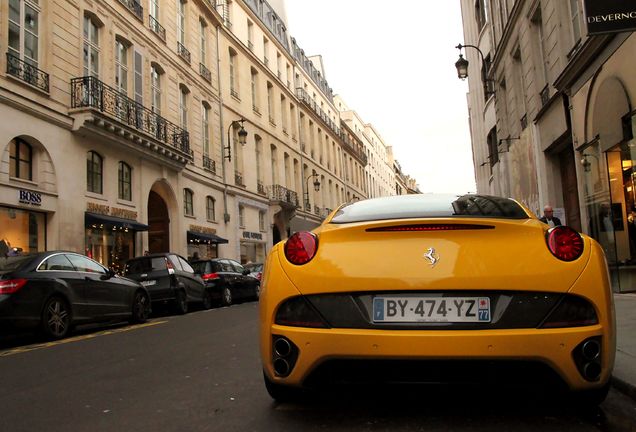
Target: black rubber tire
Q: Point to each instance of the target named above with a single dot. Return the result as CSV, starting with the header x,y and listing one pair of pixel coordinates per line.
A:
x,y
181,302
257,292
140,308
226,296
591,398
56,318
207,299
282,393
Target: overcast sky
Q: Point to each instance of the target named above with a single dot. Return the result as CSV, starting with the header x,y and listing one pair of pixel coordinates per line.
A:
x,y
393,63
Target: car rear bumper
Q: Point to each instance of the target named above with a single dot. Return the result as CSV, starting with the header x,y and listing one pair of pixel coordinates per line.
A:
x,y
553,348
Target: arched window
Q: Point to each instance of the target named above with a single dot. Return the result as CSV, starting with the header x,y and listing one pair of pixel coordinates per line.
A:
x,y
94,170
20,160
125,181
210,208
188,207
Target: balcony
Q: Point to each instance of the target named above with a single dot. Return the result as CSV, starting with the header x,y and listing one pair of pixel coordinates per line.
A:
x,y
238,179
284,197
256,110
27,73
156,27
272,121
183,52
135,7
99,107
307,206
353,149
209,164
304,97
235,94
205,72
260,188
211,3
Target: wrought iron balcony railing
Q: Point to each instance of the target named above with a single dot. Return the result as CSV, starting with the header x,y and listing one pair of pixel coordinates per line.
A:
x,y
307,206
89,92
156,27
280,193
183,52
235,94
238,178
304,97
209,164
317,210
27,73
260,188
205,72
256,110
211,3
135,7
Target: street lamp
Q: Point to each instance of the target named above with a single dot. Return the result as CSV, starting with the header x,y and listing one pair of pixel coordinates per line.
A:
x,y
316,188
242,134
462,68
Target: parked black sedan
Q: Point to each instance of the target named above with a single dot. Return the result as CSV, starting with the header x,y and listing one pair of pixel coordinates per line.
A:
x,y
227,280
53,291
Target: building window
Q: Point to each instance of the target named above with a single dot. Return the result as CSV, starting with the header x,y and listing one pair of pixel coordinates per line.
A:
x,y
121,67
94,169
270,101
20,160
261,220
183,107
493,150
480,13
125,181
91,48
154,9
241,216
233,78
181,24
155,88
210,208
575,14
254,89
203,42
23,30
188,208
250,35
205,123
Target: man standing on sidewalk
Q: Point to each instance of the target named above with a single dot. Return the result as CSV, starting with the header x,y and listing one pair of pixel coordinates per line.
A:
x,y
548,217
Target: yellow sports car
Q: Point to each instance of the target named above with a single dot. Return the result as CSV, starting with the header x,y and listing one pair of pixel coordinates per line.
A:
x,y
437,288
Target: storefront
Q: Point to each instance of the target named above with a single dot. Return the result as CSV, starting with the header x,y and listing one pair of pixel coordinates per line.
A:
x,y
111,239
203,243
23,231
252,247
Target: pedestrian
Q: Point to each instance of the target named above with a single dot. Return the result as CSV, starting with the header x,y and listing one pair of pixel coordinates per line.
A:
x,y
548,217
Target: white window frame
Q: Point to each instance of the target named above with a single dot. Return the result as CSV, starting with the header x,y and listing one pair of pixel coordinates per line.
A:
x,y
24,32
91,44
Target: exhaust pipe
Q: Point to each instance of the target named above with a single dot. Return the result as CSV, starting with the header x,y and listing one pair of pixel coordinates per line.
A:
x,y
281,367
591,349
592,371
282,347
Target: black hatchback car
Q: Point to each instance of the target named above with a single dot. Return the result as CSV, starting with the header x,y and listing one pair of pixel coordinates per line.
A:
x,y
227,280
168,277
54,291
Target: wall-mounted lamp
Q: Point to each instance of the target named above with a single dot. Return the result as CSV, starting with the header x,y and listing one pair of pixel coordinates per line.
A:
x,y
316,187
242,135
507,141
462,69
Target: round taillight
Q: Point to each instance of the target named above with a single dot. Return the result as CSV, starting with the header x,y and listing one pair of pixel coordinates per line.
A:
x,y
565,243
301,247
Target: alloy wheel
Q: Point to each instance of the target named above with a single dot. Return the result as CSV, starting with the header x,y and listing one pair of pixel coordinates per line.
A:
x,y
56,318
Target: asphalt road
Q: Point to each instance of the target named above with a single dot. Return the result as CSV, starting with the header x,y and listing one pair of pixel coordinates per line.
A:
x,y
201,372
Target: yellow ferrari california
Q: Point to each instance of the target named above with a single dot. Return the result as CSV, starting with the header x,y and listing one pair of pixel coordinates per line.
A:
x,y
468,289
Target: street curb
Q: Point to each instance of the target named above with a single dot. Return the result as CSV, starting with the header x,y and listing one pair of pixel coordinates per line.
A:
x,y
624,387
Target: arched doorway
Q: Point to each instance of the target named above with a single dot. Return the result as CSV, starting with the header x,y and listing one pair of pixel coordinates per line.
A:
x,y
158,224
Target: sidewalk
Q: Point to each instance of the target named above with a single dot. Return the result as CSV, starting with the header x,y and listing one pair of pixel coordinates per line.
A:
x,y
624,377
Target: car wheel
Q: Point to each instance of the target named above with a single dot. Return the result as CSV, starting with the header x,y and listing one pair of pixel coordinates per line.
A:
x,y
207,299
282,393
181,303
226,296
56,318
140,308
591,398
257,291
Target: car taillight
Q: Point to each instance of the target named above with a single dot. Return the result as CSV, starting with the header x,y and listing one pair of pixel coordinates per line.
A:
x,y
11,286
573,311
298,312
565,243
259,275
209,276
301,247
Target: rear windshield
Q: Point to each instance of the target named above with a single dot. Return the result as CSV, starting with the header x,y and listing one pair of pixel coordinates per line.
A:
x,y
145,265
14,262
199,267
430,206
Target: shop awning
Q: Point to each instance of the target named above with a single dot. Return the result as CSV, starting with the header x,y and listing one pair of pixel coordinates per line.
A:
x,y
110,222
197,237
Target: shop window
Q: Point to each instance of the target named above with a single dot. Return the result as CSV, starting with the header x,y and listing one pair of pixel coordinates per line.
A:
x,y
241,216
210,208
188,207
22,231
94,170
125,180
21,160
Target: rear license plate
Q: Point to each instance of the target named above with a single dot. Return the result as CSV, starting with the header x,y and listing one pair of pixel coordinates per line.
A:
x,y
148,282
431,309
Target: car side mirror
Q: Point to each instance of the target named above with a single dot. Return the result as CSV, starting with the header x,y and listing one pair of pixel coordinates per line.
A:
x,y
109,274
246,272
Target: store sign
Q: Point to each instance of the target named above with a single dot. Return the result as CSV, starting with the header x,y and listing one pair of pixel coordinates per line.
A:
x,y
202,229
29,197
610,16
252,235
111,211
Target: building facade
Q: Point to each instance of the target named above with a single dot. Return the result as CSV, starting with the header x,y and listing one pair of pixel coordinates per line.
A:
x,y
122,124
551,117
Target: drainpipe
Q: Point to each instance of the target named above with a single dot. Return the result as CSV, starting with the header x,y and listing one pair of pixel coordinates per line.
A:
x,y
226,215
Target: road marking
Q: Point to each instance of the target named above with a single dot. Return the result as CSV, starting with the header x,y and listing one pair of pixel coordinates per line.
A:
x,y
34,347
